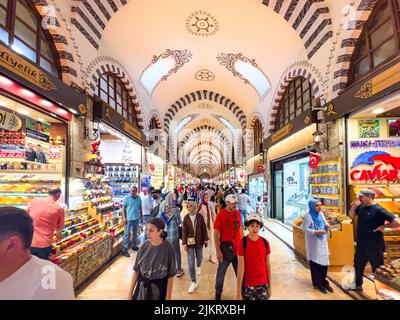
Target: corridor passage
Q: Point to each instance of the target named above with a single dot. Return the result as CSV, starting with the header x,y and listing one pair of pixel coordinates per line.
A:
x,y
290,279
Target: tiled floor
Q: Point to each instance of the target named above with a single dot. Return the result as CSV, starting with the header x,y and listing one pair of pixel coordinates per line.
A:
x,y
291,280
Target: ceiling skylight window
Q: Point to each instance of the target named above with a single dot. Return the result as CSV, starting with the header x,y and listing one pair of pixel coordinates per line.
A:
x,y
258,80
183,123
162,66
153,75
247,70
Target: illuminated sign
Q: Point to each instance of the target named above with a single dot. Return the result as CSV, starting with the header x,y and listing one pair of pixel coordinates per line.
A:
x,y
382,167
366,144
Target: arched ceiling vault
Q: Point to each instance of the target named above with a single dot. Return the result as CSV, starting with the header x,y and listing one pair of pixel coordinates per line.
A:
x,y
185,57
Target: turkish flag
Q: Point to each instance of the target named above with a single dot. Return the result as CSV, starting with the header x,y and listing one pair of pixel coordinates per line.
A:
x,y
152,167
260,168
314,160
95,146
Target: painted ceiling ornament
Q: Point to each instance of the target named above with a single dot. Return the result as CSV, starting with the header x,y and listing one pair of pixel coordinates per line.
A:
x,y
204,75
181,57
202,23
205,105
228,60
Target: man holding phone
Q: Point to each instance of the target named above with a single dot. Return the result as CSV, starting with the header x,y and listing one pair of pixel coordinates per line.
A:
x,y
370,227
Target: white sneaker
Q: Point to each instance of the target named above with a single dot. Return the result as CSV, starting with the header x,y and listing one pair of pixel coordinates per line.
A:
x,y
198,271
192,287
212,260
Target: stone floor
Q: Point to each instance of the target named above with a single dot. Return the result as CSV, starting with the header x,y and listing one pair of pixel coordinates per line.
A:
x,y
290,279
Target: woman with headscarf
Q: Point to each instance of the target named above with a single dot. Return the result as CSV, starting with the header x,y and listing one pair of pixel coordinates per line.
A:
x,y
316,229
205,209
154,268
171,216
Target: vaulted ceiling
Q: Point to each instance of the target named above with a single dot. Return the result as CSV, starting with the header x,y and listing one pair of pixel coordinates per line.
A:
x,y
206,69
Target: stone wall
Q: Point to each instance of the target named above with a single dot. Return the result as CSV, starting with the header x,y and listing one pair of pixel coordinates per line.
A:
x,y
80,147
333,140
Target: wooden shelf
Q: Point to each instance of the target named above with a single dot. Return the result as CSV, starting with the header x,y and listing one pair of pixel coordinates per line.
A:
x,y
327,196
30,172
324,174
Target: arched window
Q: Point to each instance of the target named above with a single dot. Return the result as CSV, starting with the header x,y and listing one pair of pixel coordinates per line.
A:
x,y
154,124
112,91
379,40
21,29
258,136
296,99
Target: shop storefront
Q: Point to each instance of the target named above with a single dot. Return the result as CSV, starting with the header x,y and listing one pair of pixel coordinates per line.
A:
x,y
94,227
371,111
291,187
288,158
257,188
36,109
156,170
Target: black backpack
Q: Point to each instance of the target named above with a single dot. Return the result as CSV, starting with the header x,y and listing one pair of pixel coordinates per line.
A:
x,y
245,243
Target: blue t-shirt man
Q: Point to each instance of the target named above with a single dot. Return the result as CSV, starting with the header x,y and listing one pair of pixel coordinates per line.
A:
x,y
131,215
133,207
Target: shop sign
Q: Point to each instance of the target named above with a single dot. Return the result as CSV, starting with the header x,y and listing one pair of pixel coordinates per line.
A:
x,y
367,144
9,121
378,84
126,126
282,132
382,166
26,70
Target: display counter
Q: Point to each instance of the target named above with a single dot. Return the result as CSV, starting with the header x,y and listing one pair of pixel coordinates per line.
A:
x,y
340,242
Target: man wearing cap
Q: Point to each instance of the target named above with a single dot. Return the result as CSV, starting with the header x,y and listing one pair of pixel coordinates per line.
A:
x,y
227,235
370,228
254,271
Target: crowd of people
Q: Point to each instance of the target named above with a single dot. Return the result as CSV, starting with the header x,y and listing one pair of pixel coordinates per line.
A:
x,y
215,218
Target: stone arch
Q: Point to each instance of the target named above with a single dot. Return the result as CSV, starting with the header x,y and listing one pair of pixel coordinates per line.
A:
x,y
70,60
206,153
197,145
207,129
204,95
91,17
105,64
344,45
303,69
303,15
254,117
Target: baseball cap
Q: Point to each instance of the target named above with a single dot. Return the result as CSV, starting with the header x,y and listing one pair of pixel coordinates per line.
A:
x,y
366,192
231,198
254,217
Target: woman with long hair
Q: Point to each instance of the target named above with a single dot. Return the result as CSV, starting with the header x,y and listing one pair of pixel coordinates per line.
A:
x,y
155,267
209,217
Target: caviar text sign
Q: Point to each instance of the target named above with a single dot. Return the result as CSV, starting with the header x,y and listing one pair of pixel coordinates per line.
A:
x,y
373,160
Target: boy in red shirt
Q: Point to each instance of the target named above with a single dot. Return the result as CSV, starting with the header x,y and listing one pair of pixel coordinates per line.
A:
x,y
253,280
227,236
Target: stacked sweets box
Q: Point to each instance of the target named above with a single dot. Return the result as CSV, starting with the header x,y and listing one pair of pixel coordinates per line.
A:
x,y
326,185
